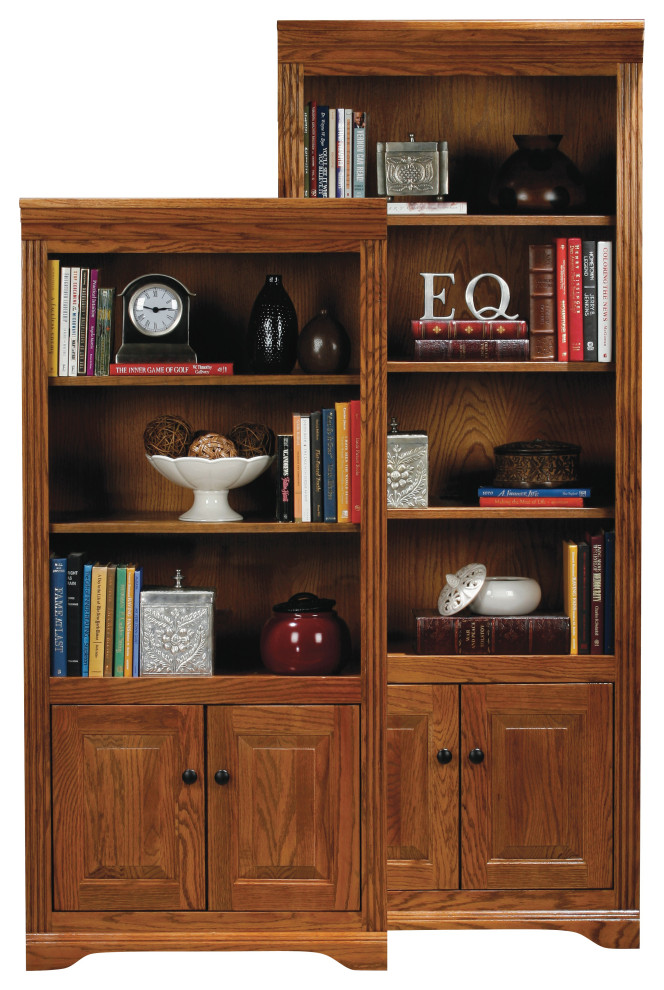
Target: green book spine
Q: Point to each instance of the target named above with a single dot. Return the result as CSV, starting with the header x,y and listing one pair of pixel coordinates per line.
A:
x,y
120,606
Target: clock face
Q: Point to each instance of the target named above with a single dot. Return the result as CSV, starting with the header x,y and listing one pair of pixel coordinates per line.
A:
x,y
155,309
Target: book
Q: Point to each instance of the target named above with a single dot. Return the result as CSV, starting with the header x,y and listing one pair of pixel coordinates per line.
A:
x,y
128,659
570,592
488,491
589,291
574,299
449,635
53,299
359,153
355,460
83,322
604,301
348,151
332,153
313,149
127,370
430,207
110,620
583,590
305,468
323,150
297,467
533,502
329,465
340,165
284,512
541,281
561,299
138,584
609,591
306,133
74,313
75,562
316,458
58,615
596,542
63,338
97,620
342,410
471,350
103,346
85,620
120,621
92,321
427,329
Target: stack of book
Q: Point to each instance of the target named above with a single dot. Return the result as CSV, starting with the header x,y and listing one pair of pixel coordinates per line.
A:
x,y
558,498
80,314
588,589
319,466
470,340
571,300
95,618
335,152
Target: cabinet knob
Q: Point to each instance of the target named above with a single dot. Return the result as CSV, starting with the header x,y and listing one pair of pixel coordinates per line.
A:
x,y
476,755
190,776
222,777
444,756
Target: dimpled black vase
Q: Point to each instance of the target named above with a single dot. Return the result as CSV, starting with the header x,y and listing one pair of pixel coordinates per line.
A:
x,y
272,333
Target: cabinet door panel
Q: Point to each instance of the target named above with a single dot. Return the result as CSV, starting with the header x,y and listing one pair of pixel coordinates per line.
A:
x,y
422,793
283,832
537,812
128,833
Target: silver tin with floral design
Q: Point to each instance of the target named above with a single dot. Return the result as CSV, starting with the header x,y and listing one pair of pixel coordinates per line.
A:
x,y
407,469
177,631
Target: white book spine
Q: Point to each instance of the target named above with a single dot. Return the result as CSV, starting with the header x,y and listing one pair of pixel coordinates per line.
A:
x,y
63,343
604,301
74,312
348,153
340,177
332,155
305,451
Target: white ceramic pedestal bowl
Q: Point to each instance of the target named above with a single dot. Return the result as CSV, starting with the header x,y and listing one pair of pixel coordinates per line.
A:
x,y
211,482
507,596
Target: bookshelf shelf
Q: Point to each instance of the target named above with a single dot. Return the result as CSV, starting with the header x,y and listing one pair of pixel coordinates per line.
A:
x,y
488,512
175,381
406,367
501,220
167,523
412,668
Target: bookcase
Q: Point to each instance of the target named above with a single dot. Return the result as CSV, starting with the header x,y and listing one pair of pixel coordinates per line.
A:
x,y
467,843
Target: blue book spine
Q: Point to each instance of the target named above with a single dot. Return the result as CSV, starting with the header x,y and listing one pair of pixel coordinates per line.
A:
x,y
533,492
138,584
85,621
58,588
609,591
329,465
323,150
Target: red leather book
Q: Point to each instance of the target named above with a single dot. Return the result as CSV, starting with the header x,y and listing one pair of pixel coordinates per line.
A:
x,y
471,350
575,299
356,460
532,502
561,298
542,283
510,635
469,329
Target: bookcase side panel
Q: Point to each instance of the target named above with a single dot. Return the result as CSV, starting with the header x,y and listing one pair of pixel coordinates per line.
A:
x,y
291,152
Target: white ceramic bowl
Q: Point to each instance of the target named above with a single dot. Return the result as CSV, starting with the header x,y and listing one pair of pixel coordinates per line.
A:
x,y
507,596
211,481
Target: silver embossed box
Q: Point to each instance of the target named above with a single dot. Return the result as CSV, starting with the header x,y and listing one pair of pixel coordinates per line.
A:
x,y
412,168
177,630
407,469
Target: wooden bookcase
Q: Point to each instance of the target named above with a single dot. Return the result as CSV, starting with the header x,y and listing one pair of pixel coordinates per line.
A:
x,y
477,845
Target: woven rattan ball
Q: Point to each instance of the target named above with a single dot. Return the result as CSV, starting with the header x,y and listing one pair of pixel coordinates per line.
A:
x,y
212,446
252,439
169,435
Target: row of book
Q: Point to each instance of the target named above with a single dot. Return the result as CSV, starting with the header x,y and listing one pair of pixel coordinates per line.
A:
x,y
470,340
319,466
559,498
571,300
335,152
95,618
80,321
589,588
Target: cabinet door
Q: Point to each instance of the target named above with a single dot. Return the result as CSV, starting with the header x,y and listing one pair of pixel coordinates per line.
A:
x,y
422,789
128,832
284,825
537,811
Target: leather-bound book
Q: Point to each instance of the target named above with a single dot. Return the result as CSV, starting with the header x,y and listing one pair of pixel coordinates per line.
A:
x,y
509,635
542,287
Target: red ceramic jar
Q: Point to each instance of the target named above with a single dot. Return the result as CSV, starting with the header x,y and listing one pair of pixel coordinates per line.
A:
x,y
305,636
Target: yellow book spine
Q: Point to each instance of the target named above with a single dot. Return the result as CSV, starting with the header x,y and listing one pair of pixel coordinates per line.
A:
x,y
97,621
342,410
571,592
129,624
297,468
53,284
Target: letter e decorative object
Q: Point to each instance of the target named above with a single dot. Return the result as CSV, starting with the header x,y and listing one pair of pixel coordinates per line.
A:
x,y
492,314
430,295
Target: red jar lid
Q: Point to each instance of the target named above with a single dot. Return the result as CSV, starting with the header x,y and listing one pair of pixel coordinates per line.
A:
x,y
304,601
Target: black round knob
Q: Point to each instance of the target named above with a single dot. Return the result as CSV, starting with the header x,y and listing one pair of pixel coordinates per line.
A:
x,y
190,776
444,756
476,755
222,777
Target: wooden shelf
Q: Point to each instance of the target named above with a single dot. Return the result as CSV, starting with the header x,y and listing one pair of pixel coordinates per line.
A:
x,y
252,381
405,366
413,668
167,522
512,512
500,220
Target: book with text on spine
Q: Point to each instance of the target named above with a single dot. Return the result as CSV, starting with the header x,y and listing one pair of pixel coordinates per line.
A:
x,y
53,288
85,620
316,458
120,621
83,321
571,591
343,461
284,510
329,465
305,466
542,288
127,370
128,659
471,350
97,620
138,584
426,208
561,299
604,301
359,154
92,322
575,299
110,620
534,502
597,578
58,614
486,491
589,291
536,634
75,562
74,317
428,329
63,337
356,460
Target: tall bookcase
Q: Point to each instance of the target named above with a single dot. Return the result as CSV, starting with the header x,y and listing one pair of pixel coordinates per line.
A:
x,y
464,846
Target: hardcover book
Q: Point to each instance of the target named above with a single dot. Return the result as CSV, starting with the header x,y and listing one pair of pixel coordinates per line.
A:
x,y
53,290
92,321
313,149
316,459
574,299
356,460
343,461
427,329
609,591
348,160
63,342
74,314
340,171
138,584
305,455
297,467
103,346
75,562
329,465
110,620
306,132
604,301
285,478
450,635
322,150
128,659
583,585
58,615
83,321
597,576
97,620
471,350
589,288
561,299
542,283
120,621
423,208
488,491
570,592
85,621
532,502
127,370
359,154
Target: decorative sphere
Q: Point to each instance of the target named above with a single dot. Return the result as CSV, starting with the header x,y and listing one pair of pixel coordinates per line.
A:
x,y
252,439
323,347
212,446
168,435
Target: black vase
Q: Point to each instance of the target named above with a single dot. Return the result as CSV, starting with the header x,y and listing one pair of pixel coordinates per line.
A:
x,y
272,333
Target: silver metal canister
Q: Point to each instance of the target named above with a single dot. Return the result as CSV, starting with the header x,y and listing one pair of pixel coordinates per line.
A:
x,y
177,631
407,469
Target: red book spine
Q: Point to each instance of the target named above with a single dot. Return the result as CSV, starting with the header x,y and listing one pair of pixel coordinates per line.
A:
x,y
138,370
563,503
561,298
470,350
356,460
574,299
313,150
469,330
596,592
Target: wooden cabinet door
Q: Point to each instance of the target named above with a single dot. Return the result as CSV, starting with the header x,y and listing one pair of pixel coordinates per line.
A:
x,y
537,811
128,833
422,789
284,827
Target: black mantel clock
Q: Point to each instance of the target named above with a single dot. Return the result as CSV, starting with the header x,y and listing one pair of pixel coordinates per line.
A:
x,y
155,321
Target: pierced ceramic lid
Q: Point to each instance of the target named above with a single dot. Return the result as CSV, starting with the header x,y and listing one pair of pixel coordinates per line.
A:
x,y
461,588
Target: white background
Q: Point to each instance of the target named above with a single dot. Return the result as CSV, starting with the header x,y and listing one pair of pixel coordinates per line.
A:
x,y
212,67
